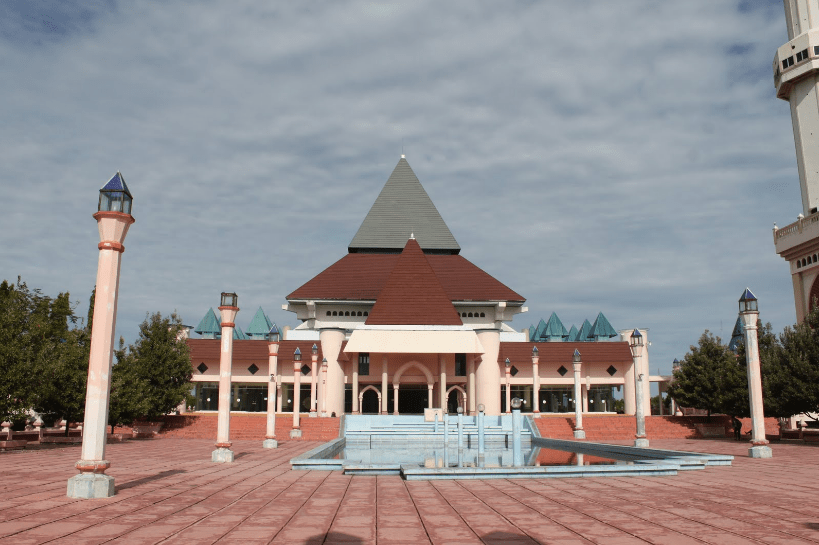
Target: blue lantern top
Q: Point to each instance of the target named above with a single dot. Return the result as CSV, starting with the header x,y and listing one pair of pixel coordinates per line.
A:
x,y
115,196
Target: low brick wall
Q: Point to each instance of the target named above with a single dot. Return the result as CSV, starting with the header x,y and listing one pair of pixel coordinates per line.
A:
x,y
251,426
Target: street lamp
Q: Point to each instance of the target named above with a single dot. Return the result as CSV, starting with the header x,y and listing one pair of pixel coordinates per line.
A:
x,y
517,424
296,431
535,382
636,344
113,220
324,387
508,383
579,433
228,309
749,313
313,373
272,387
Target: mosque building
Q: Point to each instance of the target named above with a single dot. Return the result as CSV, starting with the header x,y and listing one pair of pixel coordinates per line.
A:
x,y
404,323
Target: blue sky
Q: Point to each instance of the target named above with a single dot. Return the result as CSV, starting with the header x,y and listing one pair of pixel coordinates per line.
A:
x,y
627,157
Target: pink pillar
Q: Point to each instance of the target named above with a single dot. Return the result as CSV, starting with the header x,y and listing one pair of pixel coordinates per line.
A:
x,y
92,482
223,454
535,384
384,391
272,386
508,387
296,431
395,399
759,444
579,432
442,383
324,387
470,383
313,378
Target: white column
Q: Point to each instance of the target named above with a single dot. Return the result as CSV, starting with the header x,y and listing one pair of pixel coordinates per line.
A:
x,y
579,433
759,448
508,389
395,398
313,384
535,386
442,393
296,431
91,482
223,452
273,367
384,386
470,383
429,395
356,407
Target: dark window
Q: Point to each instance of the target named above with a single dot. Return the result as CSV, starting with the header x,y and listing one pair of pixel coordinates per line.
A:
x,y
364,363
335,313
611,370
366,313
787,62
202,368
513,371
562,371
253,369
305,369
359,313
460,365
328,313
483,315
802,55
816,50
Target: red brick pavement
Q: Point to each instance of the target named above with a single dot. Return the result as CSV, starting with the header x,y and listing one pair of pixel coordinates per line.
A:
x,y
168,491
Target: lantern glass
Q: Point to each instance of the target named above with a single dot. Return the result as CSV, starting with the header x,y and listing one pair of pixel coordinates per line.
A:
x,y
534,351
748,302
273,335
230,300
516,403
508,363
297,354
315,349
576,356
481,407
115,196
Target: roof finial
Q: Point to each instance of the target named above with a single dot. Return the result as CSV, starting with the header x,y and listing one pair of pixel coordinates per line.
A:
x,y
402,149
412,236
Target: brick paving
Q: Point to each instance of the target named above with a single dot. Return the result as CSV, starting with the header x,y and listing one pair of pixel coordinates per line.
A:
x,y
168,491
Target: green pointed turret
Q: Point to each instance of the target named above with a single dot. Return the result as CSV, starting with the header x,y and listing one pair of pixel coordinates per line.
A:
x,y
541,327
238,334
210,326
601,329
554,330
572,334
737,336
259,326
583,334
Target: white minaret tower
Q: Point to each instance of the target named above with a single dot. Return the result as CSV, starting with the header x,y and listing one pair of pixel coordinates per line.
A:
x,y
796,77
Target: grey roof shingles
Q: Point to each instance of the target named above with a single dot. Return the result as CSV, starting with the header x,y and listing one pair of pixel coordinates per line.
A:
x,y
401,209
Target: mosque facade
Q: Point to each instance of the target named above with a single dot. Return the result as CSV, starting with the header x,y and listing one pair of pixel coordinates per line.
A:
x,y
403,323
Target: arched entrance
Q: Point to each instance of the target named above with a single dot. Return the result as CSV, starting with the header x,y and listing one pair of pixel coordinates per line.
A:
x,y
414,397
455,397
369,399
813,296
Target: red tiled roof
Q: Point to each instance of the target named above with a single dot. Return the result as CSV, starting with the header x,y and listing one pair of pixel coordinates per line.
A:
x,y
561,353
412,294
362,276
252,351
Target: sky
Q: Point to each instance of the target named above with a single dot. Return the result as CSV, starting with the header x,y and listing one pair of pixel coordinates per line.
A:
x,y
627,157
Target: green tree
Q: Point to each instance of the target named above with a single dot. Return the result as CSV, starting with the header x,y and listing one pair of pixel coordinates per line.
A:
x,y
712,378
790,369
152,376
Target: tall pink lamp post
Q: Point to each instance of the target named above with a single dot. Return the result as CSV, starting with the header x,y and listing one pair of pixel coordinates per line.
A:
x,y
535,382
113,219
313,383
636,345
296,431
272,394
579,432
227,310
749,312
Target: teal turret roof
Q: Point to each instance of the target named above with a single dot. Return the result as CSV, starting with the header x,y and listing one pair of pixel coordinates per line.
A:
x,y
259,326
238,334
583,334
532,332
541,327
601,328
572,337
209,326
554,330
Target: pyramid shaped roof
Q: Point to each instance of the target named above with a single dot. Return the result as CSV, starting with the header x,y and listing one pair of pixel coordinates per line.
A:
x,y
554,329
402,209
210,324
238,334
117,183
541,327
601,328
412,294
572,334
532,332
583,334
260,324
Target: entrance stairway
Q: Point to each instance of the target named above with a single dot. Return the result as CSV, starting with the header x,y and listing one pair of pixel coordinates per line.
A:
x,y
391,430
623,427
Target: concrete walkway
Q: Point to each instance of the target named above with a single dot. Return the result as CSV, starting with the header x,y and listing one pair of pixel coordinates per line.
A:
x,y
168,491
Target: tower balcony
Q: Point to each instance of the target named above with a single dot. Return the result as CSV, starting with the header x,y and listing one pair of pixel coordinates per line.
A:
x,y
797,239
795,60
